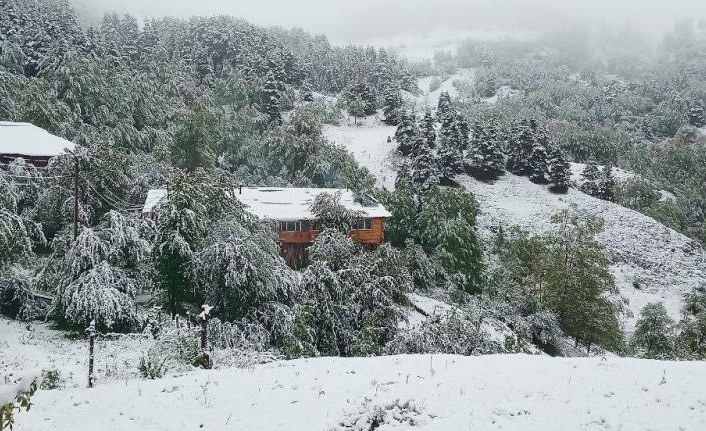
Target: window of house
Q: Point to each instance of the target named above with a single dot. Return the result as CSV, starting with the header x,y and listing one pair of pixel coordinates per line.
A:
x,y
362,224
290,226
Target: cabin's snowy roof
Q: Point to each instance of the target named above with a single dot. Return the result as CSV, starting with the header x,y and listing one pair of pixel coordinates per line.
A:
x,y
154,197
29,140
286,203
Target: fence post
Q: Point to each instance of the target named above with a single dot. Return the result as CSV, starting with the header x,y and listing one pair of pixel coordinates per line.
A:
x,y
91,330
205,354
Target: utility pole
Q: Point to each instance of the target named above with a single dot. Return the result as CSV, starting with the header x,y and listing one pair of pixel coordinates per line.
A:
x,y
76,171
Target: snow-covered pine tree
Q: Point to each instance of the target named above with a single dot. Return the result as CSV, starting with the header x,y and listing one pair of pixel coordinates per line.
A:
x,y
606,184
697,114
559,171
427,130
425,172
444,106
181,223
484,159
404,174
271,98
366,94
537,163
406,133
392,104
463,129
521,144
409,83
591,177
450,151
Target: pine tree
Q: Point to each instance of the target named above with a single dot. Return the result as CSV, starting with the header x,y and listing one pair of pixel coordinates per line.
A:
x,y
463,129
356,107
406,133
444,106
451,145
366,94
427,130
538,163
522,144
392,104
484,160
591,177
271,98
606,184
559,171
425,172
409,83
654,333
697,114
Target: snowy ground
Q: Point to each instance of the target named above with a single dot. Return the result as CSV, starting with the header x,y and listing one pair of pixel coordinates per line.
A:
x,y
368,142
367,138
34,346
508,392
665,263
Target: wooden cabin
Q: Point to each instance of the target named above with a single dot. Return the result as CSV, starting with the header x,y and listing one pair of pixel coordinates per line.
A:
x,y
31,143
297,227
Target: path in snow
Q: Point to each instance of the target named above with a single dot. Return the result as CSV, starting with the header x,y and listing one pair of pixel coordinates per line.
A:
x,y
509,392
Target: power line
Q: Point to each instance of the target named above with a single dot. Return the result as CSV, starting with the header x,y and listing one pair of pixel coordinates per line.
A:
x,y
34,178
116,204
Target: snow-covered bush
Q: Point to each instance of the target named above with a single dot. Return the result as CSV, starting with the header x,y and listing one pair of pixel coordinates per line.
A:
x,y
395,414
16,297
178,347
51,379
152,366
97,276
456,332
240,269
354,310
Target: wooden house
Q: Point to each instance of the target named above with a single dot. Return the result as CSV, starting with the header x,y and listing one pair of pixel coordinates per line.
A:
x,y
31,143
297,227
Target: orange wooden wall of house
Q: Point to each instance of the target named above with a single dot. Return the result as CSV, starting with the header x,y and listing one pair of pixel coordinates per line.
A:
x,y
376,235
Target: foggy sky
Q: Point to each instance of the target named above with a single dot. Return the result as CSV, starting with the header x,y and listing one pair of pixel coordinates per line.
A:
x,y
358,21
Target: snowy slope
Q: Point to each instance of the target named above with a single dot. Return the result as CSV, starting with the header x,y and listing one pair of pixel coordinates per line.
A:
x,y
367,140
429,100
665,263
509,392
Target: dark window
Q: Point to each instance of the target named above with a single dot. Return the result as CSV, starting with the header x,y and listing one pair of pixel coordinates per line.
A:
x,y
363,224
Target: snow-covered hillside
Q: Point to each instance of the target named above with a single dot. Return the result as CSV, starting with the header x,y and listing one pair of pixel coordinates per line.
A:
x,y
367,138
440,392
652,262
662,263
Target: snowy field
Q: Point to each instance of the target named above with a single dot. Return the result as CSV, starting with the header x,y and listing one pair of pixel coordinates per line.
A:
x,y
440,392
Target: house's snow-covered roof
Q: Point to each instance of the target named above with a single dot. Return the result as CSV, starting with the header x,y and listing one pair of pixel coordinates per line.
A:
x,y
29,140
286,203
154,197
